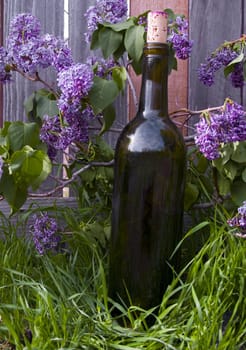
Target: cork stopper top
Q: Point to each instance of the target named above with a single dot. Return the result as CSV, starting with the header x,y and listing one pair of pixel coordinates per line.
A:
x,y
157,27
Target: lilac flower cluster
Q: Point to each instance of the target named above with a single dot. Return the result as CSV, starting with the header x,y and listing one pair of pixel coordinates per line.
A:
x,y
111,11
58,133
59,136
239,221
225,126
28,51
218,59
179,38
75,84
101,67
45,233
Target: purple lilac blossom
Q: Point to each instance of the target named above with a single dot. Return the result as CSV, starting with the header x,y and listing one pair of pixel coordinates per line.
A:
x,y
218,59
45,233
74,130
237,76
4,74
29,51
49,134
24,27
112,11
225,126
55,51
76,81
101,67
239,221
178,37
74,84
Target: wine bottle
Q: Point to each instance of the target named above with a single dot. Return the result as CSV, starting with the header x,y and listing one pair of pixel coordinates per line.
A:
x,y
149,175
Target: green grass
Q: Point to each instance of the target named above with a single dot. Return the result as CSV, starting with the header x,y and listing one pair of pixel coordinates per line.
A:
x,y
59,301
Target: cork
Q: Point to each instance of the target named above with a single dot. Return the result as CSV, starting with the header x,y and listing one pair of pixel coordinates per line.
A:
x,y
157,27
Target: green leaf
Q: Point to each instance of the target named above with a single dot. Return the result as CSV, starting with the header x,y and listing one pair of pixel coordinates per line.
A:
x,y
30,167
228,70
244,175
108,118
46,106
172,61
230,170
95,40
109,41
21,134
29,104
102,94
226,152
238,59
170,13
14,194
238,192
40,103
202,163
43,166
118,27
104,150
230,67
191,195
137,66
239,154
119,75
224,185
134,42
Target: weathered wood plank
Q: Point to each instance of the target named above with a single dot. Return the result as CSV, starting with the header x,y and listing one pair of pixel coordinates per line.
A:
x,y
211,23
45,202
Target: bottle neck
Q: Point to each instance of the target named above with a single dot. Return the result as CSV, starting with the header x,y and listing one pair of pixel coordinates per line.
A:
x,y
154,90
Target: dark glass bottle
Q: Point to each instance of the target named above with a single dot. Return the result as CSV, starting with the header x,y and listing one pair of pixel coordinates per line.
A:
x,y
147,210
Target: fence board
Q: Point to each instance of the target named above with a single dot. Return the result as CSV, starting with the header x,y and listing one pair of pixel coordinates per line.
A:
x,y
211,23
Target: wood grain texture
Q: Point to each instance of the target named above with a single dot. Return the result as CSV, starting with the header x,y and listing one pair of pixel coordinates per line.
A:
x,y
177,84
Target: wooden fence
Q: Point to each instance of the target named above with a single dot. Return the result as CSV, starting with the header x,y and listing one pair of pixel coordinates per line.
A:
x,y
211,23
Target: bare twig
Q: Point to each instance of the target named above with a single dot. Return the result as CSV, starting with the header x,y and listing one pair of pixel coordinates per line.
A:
x,y
35,78
72,178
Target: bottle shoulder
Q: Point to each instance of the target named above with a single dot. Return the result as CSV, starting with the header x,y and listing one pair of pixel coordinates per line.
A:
x,y
150,133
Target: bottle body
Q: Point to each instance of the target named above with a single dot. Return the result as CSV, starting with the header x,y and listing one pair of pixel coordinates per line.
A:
x,y
148,193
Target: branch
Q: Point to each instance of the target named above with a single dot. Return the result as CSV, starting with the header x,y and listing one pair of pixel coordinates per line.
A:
x,y
190,112
35,78
72,178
